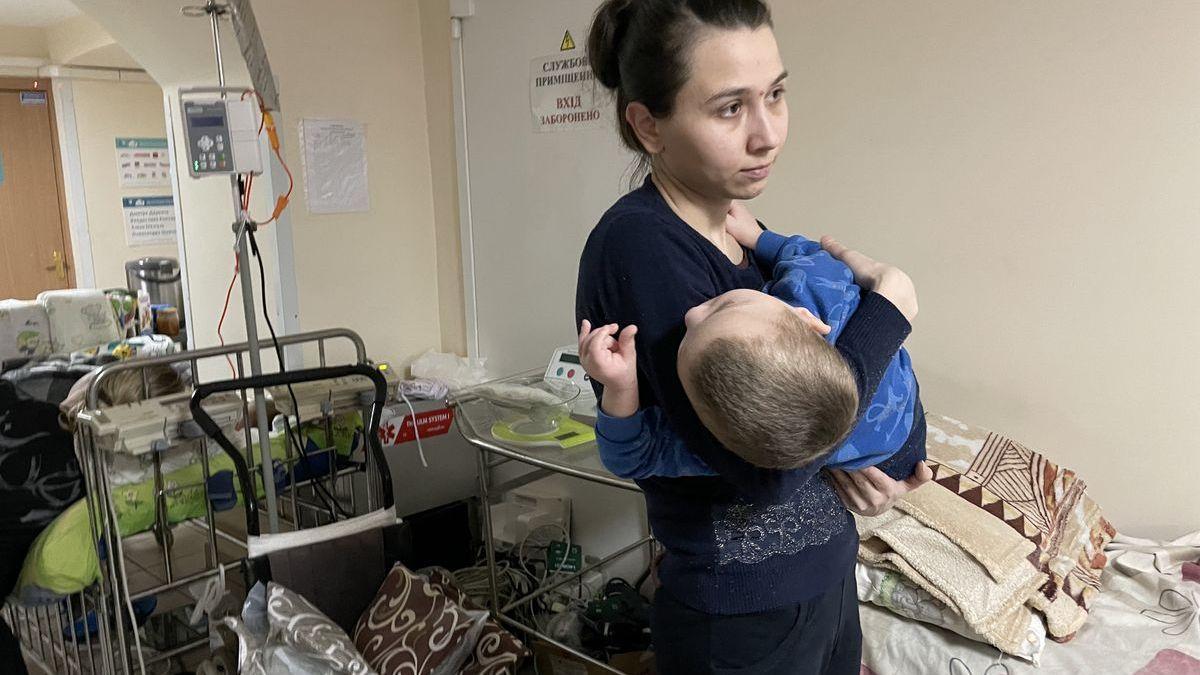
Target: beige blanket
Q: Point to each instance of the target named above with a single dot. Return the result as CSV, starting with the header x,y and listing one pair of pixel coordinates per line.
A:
x,y
999,534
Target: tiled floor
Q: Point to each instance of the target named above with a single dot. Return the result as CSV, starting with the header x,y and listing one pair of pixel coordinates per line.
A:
x,y
190,553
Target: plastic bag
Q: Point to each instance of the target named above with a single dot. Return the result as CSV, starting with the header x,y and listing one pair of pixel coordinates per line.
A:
x,y
456,372
284,634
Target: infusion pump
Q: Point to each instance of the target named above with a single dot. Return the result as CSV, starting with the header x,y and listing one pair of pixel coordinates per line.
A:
x,y
222,132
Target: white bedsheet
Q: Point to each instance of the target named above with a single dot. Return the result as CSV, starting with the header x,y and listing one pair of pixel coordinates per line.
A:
x,y
1147,621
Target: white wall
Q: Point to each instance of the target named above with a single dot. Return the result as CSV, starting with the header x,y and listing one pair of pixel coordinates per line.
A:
x,y
1034,167
105,110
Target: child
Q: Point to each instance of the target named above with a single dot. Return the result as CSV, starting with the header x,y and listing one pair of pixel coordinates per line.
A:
x,y
760,377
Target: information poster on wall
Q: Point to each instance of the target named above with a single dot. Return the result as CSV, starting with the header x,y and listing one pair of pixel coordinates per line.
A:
x,y
143,162
335,166
149,220
563,93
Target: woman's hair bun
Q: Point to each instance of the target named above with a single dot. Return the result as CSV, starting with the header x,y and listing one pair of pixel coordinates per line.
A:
x,y
604,40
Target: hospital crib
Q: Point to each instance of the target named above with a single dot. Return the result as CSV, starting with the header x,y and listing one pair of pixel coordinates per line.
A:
x,y
96,630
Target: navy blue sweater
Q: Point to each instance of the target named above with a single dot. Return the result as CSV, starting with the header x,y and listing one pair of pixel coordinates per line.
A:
x,y
749,539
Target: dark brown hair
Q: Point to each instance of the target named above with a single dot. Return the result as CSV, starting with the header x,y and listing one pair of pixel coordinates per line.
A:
x,y
778,401
639,49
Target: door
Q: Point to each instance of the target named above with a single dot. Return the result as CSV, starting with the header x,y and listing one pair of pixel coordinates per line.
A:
x,y
34,249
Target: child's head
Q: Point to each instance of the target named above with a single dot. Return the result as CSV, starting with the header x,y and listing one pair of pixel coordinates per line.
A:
x,y
120,387
767,385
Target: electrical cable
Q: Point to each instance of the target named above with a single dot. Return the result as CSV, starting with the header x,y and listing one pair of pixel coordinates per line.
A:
x,y
330,502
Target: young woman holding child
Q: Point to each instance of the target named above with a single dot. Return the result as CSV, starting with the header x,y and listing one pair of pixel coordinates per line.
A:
x,y
758,574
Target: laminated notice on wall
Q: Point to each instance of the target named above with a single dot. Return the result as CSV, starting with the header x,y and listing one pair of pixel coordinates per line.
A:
x,y
563,93
149,220
143,162
335,166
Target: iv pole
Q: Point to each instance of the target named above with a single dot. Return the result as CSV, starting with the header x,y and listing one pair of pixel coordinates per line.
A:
x,y
242,226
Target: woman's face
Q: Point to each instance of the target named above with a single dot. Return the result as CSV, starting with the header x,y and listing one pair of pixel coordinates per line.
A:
x,y
730,119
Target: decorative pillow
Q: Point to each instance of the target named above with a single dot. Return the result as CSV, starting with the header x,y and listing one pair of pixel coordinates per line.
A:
x,y
498,651
412,628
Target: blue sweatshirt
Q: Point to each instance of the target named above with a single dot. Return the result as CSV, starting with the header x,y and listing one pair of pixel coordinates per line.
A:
x,y
804,275
748,539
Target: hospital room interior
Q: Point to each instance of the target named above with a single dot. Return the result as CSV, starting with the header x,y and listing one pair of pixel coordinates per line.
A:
x,y
295,376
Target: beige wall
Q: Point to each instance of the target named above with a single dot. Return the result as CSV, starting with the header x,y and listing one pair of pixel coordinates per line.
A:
x,y
374,272
1034,167
82,41
104,111
23,42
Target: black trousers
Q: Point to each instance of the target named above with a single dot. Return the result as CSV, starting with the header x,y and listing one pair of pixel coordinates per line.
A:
x,y
819,637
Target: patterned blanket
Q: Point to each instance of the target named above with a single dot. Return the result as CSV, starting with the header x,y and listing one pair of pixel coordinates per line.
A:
x,y
1001,533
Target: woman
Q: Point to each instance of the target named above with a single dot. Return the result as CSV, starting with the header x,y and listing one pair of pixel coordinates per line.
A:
x,y
758,571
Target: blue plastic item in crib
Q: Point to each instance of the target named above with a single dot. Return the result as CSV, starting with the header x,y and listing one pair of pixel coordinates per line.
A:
x,y
86,626
221,491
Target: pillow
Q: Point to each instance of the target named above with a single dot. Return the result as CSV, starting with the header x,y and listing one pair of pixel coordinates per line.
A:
x,y
498,651
79,318
24,330
413,628
892,590
61,561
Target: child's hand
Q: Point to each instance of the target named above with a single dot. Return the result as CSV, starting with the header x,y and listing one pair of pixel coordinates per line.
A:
x,y
611,362
742,226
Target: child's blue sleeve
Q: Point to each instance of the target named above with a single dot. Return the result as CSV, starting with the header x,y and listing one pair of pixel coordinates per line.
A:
x,y
771,248
804,275
643,445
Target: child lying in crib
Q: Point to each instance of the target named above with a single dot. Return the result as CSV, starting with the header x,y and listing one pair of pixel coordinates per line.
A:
x,y
763,376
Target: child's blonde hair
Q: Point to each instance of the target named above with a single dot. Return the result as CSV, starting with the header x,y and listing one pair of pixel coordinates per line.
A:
x,y
120,387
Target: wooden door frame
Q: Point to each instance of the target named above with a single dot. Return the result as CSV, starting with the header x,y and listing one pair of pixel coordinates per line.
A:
x,y
44,85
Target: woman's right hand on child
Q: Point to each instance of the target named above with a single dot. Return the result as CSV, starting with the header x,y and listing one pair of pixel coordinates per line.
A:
x,y
608,357
887,280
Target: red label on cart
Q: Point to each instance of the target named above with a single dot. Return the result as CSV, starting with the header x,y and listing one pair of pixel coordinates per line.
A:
x,y
430,423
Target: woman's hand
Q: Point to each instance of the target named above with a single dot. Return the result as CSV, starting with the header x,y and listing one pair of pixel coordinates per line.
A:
x,y
870,492
742,226
887,280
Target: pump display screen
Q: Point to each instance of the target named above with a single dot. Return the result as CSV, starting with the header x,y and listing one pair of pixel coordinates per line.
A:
x,y
207,121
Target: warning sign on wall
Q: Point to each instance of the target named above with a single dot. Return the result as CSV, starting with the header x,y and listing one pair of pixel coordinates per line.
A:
x,y
562,92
